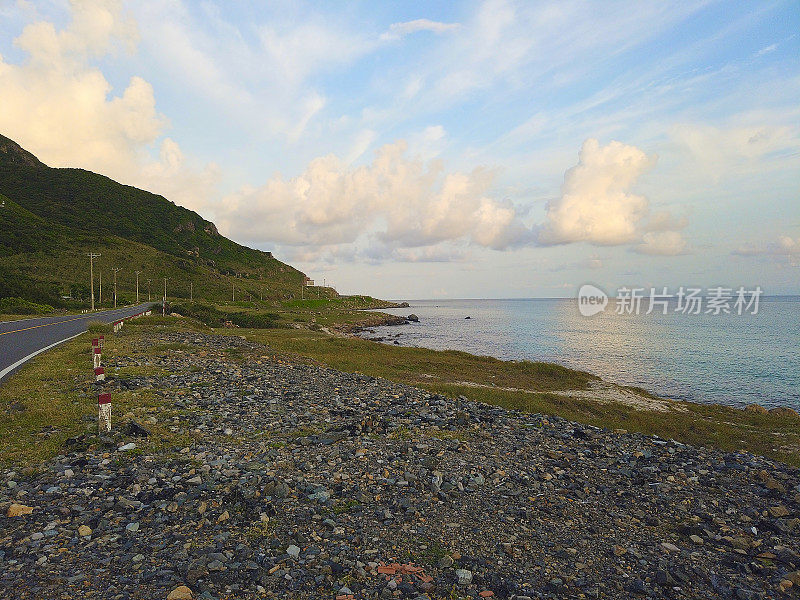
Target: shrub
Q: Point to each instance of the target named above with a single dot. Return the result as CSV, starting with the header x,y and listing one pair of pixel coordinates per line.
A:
x,y
20,306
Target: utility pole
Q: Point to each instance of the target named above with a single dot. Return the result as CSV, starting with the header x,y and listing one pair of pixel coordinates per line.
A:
x,y
191,285
148,289
92,256
137,287
164,304
101,286
233,289
115,284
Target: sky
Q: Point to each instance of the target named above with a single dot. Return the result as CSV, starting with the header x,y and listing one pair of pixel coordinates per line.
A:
x,y
437,149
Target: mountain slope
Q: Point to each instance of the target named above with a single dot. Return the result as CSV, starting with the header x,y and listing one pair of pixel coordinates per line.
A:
x,y
50,218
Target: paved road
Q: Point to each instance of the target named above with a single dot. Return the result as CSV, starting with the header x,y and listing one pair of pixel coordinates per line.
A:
x,y
22,340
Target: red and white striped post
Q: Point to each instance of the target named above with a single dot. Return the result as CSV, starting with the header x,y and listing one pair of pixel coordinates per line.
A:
x,y
99,374
97,352
100,340
104,413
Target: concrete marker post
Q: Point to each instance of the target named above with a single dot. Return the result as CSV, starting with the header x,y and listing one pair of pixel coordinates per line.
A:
x,y
104,413
99,374
97,352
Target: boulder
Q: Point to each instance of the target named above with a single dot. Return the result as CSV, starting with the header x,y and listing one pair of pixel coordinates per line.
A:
x,y
413,318
756,408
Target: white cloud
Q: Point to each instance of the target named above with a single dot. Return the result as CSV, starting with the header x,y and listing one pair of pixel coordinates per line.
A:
x,y
789,246
596,204
60,107
767,50
402,202
400,30
785,248
721,150
663,243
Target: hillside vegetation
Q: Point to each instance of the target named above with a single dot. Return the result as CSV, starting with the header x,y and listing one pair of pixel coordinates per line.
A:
x,y
50,218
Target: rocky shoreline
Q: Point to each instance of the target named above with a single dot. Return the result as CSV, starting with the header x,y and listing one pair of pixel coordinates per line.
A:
x,y
297,481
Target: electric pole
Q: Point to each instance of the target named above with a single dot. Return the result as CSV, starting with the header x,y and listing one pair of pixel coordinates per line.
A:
x,y
164,304
115,284
233,289
100,273
148,289
92,256
137,287
191,286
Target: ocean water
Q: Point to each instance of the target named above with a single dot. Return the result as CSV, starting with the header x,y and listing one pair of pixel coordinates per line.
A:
x,y
727,359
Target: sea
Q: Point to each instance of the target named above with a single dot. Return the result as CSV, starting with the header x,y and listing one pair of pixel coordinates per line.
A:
x,y
721,358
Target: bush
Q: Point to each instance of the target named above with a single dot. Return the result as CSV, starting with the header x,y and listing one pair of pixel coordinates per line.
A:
x,y
99,327
20,306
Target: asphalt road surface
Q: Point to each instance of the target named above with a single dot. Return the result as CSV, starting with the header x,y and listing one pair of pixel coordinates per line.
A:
x,y
22,340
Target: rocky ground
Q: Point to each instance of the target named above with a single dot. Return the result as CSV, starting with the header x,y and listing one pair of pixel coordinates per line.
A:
x,y
296,481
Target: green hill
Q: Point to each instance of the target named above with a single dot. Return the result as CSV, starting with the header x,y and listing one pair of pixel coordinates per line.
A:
x,y
50,218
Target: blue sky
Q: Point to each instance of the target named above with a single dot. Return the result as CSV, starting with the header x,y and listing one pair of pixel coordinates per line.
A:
x,y
476,149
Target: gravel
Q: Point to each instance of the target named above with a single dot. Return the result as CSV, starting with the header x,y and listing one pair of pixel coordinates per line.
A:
x,y
298,481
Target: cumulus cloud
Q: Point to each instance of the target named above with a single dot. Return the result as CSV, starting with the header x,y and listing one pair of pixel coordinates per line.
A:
x,y
400,201
400,30
597,205
59,106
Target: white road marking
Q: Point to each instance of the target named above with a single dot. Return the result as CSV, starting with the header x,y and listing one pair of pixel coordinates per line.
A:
x,y
10,368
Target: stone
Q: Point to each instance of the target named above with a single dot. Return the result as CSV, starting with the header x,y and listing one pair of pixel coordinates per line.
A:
x,y
669,547
132,527
84,531
19,510
181,592
126,447
413,318
756,408
778,511
463,576
135,429
293,551
696,539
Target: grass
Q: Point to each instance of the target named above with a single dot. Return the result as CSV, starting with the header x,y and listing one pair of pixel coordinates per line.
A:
x,y
420,366
51,398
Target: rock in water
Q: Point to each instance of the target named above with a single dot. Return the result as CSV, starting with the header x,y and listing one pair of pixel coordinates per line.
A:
x,y
412,317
